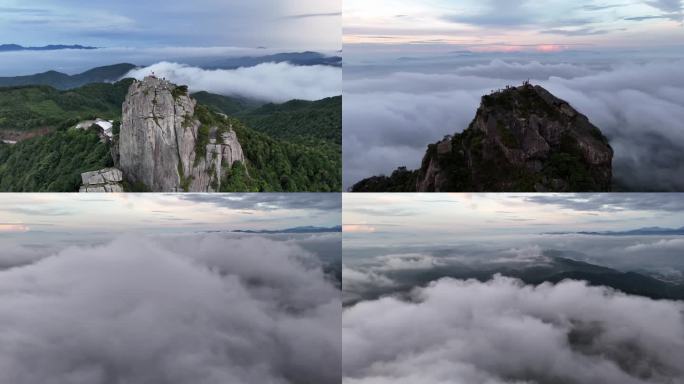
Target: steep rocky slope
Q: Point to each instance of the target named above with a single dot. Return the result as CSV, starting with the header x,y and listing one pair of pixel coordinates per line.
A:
x,y
169,143
521,139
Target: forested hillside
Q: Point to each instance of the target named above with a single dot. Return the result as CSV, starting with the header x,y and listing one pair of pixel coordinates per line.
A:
x,y
295,146
32,107
51,163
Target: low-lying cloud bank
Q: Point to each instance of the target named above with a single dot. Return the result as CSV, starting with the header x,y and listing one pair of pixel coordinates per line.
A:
x,y
390,118
504,332
275,82
73,61
201,309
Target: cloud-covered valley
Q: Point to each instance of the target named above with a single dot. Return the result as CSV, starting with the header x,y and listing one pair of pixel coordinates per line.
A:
x,y
391,115
274,82
204,308
502,331
371,273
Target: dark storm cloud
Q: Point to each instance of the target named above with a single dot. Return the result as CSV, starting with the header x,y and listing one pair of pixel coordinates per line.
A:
x,y
504,332
179,309
270,201
667,202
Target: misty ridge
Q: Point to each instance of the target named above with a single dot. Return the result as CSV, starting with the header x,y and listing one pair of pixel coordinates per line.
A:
x,y
263,76
646,265
540,309
204,308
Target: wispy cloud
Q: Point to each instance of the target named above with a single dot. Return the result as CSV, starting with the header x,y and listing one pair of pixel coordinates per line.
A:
x,y
313,15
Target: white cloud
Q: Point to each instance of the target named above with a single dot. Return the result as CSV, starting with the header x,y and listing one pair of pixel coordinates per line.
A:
x,y
660,245
201,309
504,332
277,82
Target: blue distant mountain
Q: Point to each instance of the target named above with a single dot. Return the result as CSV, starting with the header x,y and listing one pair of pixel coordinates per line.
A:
x,y
307,58
306,229
52,47
63,81
648,231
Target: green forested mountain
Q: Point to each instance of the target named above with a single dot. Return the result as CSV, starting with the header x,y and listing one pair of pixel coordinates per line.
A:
x,y
230,105
31,107
51,163
277,165
63,81
306,159
295,120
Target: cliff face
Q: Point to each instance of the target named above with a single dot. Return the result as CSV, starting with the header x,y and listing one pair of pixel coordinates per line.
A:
x,y
521,139
164,145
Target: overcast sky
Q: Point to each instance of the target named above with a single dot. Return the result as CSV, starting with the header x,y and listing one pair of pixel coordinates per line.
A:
x,y
303,24
418,218
503,25
154,213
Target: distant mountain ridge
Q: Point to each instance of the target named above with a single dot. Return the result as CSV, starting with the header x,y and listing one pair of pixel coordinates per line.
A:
x,y
303,230
553,270
307,58
62,81
51,47
648,231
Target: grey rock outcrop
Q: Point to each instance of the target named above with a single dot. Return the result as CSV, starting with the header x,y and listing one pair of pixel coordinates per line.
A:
x,y
164,145
104,180
521,139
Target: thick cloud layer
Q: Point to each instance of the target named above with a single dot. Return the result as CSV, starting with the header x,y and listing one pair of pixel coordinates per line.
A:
x,y
389,118
503,332
201,309
271,82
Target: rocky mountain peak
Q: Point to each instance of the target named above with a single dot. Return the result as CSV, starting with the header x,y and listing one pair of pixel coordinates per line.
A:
x,y
522,139
167,142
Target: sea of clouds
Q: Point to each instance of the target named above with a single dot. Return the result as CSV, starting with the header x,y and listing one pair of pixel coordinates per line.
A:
x,y
391,113
503,332
273,82
204,308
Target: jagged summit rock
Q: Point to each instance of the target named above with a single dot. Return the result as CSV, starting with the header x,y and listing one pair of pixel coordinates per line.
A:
x,y
521,139
104,180
169,143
